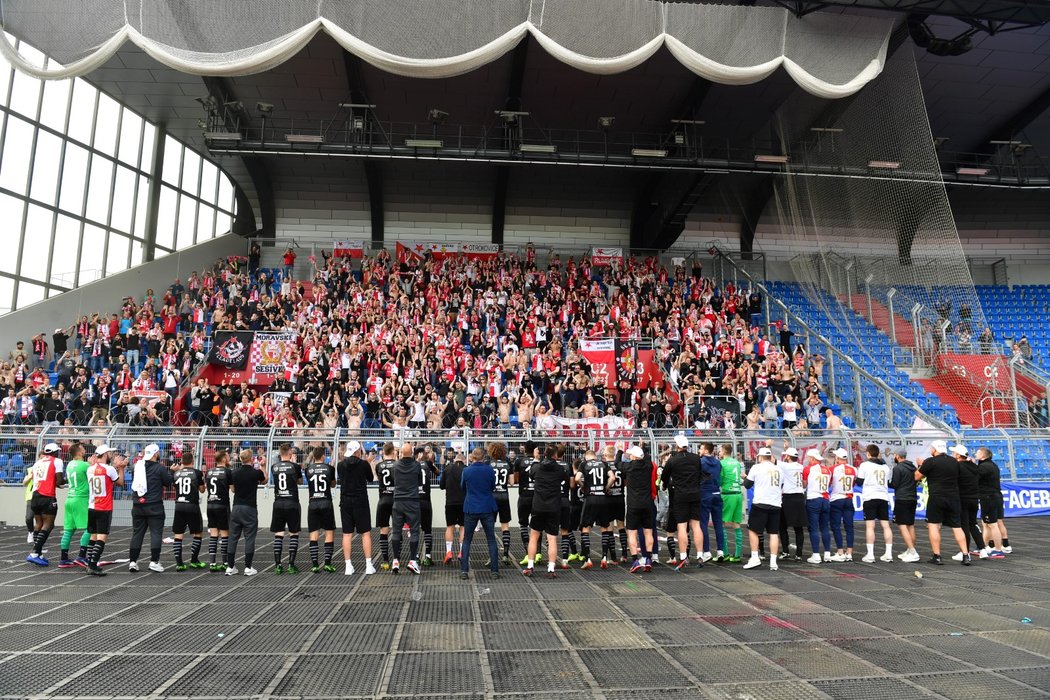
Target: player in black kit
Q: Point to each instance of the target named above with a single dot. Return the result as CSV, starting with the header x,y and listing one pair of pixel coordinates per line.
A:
x,y
617,504
385,476
320,513
425,457
498,459
526,489
594,474
287,514
189,485
217,481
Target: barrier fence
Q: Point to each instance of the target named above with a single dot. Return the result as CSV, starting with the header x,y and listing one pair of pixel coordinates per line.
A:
x,y
1024,455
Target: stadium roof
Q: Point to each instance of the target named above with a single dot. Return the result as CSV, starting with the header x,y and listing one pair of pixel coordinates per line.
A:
x,y
997,90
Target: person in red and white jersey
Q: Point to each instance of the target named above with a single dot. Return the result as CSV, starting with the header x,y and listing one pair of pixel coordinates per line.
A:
x,y
48,476
107,470
767,480
843,477
817,478
873,476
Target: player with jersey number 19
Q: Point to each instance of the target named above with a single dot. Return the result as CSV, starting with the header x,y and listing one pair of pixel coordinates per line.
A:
x,y
873,477
107,471
843,477
47,475
767,480
817,478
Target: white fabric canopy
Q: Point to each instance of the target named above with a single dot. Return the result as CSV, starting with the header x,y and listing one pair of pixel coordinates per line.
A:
x,y
829,55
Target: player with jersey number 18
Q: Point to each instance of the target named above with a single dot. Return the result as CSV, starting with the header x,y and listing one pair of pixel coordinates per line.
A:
x,y
189,484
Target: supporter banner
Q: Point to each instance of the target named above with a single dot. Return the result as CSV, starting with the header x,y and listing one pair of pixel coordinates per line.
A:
x,y
230,349
601,356
607,428
349,249
626,361
480,251
151,397
270,352
606,256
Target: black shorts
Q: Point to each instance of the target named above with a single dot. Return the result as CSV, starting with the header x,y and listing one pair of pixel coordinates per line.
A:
x,y
549,523
187,517
639,518
218,517
453,514
524,508
595,512
426,515
503,506
793,510
287,515
877,509
763,518
616,508
576,514
566,516
992,509
357,516
43,505
904,512
383,511
320,516
684,511
99,521
942,510
670,522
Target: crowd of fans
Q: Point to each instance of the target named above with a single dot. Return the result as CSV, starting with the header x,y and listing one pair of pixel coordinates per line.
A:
x,y
425,343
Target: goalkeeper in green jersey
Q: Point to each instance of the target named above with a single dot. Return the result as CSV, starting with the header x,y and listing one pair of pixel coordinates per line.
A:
x,y
732,499
75,514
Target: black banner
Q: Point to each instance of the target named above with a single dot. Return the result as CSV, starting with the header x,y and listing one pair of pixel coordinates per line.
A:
x,y
230,349
626,361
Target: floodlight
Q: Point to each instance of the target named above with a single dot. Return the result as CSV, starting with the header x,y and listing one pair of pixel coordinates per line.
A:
x,y
763,158
537,148
648,153
304,138
424,143
264,107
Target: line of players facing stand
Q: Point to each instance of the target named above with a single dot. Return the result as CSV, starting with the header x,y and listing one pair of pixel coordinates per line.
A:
x,y
617,493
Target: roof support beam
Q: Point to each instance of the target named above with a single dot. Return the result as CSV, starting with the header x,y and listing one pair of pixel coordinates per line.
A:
x,y
149,246
513,104
754,203
355,80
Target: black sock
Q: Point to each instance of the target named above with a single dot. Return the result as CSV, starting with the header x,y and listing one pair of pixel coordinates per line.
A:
x,y
84,550
672,547
585,544
293,548
572,542
428,543
65,554
384,546
41,540
195,550
506,543
177,546
623,542
564,547
223,541
213,547
523,530
329,550
313,552
1006,541
607,545
278,545
96,553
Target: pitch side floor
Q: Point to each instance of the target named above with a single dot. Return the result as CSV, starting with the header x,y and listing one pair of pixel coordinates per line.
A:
x,y
842,631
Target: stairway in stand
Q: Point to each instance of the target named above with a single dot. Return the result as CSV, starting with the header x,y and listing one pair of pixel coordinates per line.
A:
x,y
903,328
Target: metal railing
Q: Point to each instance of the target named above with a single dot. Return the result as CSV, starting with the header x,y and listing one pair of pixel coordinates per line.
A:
x,y
861,378
1025,453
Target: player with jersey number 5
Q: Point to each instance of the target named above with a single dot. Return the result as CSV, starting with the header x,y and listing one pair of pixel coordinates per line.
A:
x,y
47,475
106,472
874,477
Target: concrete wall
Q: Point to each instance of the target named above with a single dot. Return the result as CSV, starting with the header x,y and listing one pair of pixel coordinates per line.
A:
x,y
105,294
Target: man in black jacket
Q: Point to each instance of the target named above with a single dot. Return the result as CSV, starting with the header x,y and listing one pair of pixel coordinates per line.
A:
x,y
147,510
354,475
408,477
681,476
969,502
905,499
548,479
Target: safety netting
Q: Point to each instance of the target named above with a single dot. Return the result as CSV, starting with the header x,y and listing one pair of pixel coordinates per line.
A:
x,y
829,55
